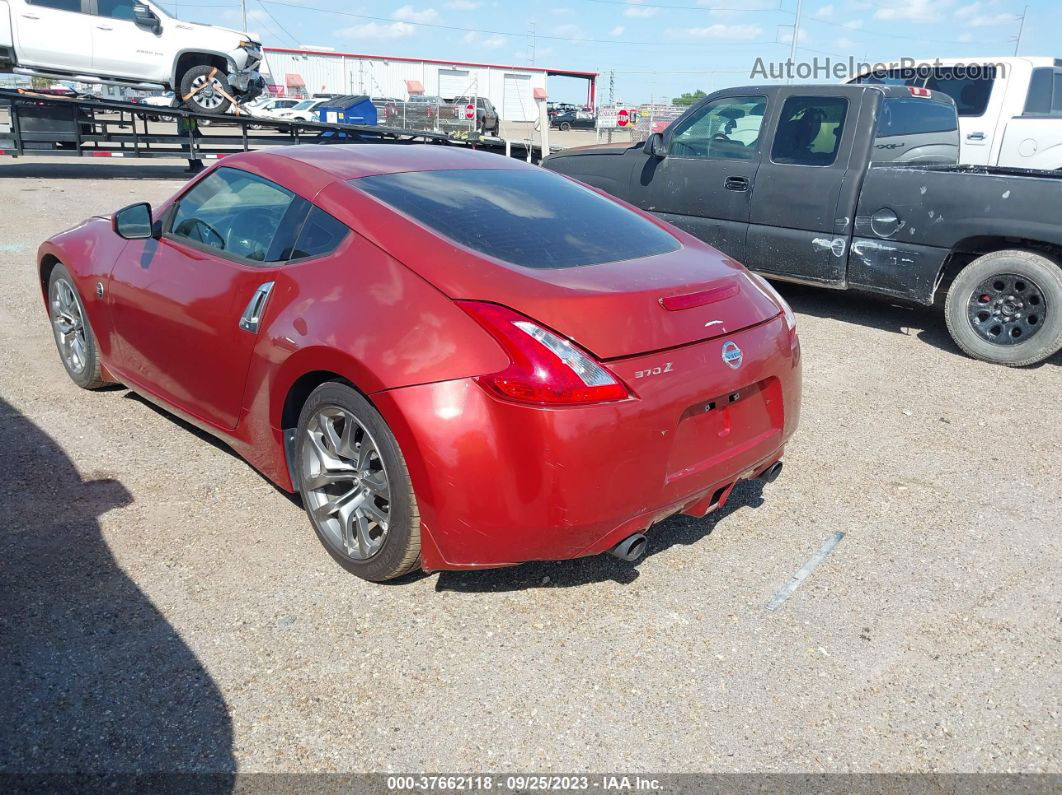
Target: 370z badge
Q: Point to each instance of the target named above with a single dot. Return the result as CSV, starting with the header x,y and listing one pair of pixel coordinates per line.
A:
x,y
732,354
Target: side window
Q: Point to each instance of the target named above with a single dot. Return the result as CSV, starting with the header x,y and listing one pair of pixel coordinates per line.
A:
x,y
239,214
727,128
1045,92
321,234
115,9
58,5
809,131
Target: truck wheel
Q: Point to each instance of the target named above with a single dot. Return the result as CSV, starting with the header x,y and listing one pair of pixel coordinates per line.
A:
x,y
210,82
1006,307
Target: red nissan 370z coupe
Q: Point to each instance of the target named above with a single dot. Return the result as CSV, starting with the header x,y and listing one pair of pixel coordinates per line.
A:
x,y
457,359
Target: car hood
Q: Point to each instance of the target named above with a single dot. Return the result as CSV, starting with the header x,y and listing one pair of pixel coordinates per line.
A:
x,y
617,148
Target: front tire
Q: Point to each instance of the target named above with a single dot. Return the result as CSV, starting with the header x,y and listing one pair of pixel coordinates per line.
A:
x,y
565,127
1006,308
72,332
210,82
355,485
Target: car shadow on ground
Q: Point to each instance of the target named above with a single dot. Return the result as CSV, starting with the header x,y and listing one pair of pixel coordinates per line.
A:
x,y
879,312
676,531
95,680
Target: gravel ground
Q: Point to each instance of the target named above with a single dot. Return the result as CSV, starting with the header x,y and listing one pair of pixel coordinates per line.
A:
x,y
165,608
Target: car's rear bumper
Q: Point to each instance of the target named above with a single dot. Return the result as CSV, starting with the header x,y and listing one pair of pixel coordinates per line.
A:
x,y
499,483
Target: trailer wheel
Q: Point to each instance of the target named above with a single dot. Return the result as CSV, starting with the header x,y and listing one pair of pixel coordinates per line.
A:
x,y
203,86
1006,307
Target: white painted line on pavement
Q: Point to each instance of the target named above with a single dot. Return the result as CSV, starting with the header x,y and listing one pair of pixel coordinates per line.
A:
x,y
827,547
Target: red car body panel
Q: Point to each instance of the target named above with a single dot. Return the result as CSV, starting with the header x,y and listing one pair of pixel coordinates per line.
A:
x,y
497,482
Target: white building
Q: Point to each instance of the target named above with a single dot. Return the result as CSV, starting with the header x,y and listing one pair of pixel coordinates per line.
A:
x,y
511,88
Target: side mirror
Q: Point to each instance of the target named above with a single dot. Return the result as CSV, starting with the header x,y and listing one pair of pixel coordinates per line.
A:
x,y
654,146
146,18
134,222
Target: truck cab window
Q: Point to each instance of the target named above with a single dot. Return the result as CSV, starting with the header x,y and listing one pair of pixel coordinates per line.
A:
x,y
809,131
115,9
727,128
970,87
59,5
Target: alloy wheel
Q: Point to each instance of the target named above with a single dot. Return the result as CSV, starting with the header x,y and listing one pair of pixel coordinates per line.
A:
x,y
1007,309
209,96
69,326
344,480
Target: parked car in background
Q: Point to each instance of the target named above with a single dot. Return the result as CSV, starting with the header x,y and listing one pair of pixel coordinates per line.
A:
x,y
554,108
573,120
304,110
649,373
486,120
272,108
132,43
856,186
1010,109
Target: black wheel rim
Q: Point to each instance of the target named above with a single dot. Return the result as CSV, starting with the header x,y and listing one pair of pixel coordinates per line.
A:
x,y
1007,309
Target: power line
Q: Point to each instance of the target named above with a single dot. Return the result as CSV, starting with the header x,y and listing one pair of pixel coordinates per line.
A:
x,y
572,39
282,28
625,4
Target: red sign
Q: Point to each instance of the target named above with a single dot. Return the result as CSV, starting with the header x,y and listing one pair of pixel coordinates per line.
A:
x,y
470,111
622,117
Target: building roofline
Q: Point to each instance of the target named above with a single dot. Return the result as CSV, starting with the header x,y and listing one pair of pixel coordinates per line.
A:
x,y
405,59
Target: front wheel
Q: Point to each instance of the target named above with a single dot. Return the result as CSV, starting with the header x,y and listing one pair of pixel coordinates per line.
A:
x,y
204,89
1006,307
565,127
73,335
355,485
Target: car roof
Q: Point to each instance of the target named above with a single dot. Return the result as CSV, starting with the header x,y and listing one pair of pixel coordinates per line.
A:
x,y
326,163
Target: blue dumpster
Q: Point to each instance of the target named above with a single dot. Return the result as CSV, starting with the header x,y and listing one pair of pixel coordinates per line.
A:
x,y
351,109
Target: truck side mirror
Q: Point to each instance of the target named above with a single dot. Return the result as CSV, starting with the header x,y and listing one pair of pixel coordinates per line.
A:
x,y
146,18
134,222
654,146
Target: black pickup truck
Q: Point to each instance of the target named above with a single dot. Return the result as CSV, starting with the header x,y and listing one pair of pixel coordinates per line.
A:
x,y
856,187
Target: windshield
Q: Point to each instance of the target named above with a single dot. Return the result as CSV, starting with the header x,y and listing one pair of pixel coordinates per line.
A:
x,y
532,218
306,104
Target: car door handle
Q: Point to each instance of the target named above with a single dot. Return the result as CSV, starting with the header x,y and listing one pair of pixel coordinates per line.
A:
x,y
975,136
252,315
104,27
30,16
739,184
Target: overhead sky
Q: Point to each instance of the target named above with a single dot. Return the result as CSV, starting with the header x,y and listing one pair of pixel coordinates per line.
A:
x,y
658,49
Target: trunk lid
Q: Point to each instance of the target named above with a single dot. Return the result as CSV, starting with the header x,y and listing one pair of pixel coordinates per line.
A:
x,y
621,309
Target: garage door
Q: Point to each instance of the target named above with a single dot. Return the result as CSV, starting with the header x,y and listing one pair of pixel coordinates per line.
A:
x,y
453,83
518,104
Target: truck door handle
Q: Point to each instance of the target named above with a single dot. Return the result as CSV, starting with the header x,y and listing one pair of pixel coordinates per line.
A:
x,y
252,315
739,184
30,16
975,136
104,27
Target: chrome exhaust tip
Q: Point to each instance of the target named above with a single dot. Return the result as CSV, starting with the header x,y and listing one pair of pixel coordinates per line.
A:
x,y
630,548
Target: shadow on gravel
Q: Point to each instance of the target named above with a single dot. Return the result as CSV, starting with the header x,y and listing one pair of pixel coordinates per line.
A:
x,y
874,311
678,530
94,679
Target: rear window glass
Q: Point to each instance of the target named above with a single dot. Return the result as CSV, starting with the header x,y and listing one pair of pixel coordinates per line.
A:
x,y
532,218
914,116
321,234
970,87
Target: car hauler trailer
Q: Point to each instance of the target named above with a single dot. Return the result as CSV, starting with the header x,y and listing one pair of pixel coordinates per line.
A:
x,y
41,124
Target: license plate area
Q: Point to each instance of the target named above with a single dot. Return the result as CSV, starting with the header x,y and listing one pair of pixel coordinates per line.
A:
x,y
721,429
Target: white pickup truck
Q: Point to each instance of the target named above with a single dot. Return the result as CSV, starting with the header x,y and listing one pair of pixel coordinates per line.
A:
x,y
1010,109
130,42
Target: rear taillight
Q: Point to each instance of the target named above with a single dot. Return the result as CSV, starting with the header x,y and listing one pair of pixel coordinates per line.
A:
x,y
544,368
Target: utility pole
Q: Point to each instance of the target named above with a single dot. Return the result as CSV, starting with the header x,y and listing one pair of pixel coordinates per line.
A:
x,y
793,43
243,10
1021,28
611,97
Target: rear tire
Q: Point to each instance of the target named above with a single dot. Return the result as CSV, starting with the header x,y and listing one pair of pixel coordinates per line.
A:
x,y
355,485
207,99
565,127
1006,308
72,332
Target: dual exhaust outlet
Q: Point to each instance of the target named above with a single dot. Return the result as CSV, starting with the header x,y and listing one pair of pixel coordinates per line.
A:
x,y
634,546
